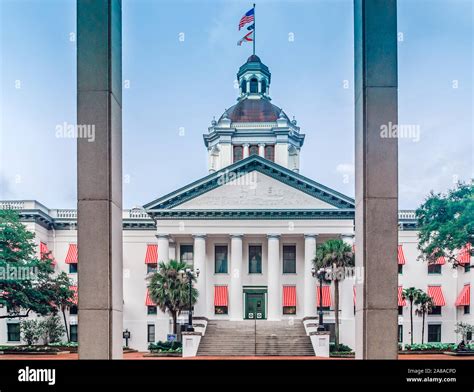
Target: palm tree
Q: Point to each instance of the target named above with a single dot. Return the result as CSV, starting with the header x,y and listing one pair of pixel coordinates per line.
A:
x,y
169,289
334,255
425,304
411,293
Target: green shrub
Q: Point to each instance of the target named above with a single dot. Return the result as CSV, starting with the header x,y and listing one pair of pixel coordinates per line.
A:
x,y
63,344
341,349
431,347
165,347
30,331
52,329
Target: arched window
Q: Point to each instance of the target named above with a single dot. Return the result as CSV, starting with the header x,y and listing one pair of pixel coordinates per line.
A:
x,y
264,86
244,86
253,85
270,153
238,153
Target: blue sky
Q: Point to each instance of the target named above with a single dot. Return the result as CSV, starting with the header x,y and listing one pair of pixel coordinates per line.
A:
x,y
177,86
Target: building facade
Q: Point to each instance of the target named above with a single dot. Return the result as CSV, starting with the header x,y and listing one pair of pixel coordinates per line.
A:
x,y
251,227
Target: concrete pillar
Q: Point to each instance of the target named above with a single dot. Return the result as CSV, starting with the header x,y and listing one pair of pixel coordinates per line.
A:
x,y
200,263
376,175
246,150
99,178
309,305
261,150
273,276
163,248
236,295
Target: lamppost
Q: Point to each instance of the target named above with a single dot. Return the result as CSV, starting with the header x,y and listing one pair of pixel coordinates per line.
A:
x,y
320,275
189,273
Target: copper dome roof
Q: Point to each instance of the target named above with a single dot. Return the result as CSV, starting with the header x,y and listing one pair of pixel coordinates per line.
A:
x,y
254,110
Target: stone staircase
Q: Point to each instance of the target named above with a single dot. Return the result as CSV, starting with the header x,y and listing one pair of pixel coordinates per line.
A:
x,y
255,338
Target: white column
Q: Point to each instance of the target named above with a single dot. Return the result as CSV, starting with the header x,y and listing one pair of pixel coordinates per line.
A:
x,y
200,263
246,150
235,295
163,247
309,304
261,150
274,271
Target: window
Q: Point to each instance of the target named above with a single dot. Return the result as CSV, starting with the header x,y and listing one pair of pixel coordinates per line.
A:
x,y
151,268
270,153
151,333
467,309
73,268
255,259
400,268
469,335
73,310
13,332
400,310
244,86
220,259
264,86
220,309
151,310
289,309
253,150
434,268
73,332
434,333
435,310
289,259
400,334
186,254
324,308
254,85
467,267
238,153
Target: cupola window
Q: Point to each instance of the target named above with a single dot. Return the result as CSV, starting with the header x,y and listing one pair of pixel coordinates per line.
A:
x,y
253,85
264,86
244,86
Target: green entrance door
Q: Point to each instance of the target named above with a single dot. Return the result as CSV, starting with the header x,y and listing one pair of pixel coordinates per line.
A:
x,y
255,306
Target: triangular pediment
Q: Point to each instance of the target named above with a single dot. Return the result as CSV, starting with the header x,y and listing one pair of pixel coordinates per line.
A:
x,y
252,184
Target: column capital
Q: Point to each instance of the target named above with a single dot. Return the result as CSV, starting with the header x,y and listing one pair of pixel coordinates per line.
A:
x,y
349,236
261,144
240,236
246,144
162,236
203,236
273,236
310,236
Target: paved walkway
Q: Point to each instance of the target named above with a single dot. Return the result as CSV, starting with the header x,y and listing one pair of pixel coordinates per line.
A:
x,y
139,355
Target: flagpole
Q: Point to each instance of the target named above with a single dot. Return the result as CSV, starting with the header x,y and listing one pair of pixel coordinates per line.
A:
x,y
254,25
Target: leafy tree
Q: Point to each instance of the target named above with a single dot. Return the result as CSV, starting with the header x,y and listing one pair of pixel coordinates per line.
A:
x,y
51,329
30,331
425,304
446,223
169,289
335,255
411,294
25,279
63,297
464,329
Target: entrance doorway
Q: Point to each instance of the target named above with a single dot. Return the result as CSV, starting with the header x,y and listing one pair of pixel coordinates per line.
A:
x,y
255,304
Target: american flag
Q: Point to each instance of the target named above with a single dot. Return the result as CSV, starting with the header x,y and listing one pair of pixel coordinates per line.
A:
x,y
247,18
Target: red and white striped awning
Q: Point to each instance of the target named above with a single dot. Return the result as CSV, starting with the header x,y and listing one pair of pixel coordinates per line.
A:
x,y
74,299
401,300
401,255
148,300
71,257
44,251
436,294
220,296
464,298
440,261
464,255
151,256
326,296
289,295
